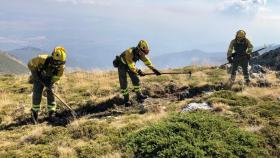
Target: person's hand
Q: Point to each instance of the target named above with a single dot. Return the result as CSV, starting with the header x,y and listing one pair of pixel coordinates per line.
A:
x,y
157,72
230,60
140,72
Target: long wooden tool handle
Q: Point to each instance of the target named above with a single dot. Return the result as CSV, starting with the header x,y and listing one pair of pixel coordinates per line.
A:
x,y
62,101
168,73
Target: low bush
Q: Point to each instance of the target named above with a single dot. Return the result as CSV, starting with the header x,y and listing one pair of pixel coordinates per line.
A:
x,y
197,134
231,98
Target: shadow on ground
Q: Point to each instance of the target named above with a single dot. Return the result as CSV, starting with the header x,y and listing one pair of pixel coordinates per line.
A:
x,y
106,108
65,117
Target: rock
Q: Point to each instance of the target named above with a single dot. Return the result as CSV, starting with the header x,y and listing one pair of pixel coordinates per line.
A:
x,y
194,106
263,83
269,59
257,75
277,75
257,69
278,98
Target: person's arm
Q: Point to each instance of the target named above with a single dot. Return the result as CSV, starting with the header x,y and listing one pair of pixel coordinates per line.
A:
x,y
59,74
149,64
147,61
230,49
229,52
33,66
129,61
250,47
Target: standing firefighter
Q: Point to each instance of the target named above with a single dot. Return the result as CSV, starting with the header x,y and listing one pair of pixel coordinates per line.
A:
x,y
46,70
242,48
126,65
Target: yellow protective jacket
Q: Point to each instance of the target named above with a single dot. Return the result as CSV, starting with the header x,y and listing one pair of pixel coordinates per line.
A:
x,y
243,46
129,57
44,67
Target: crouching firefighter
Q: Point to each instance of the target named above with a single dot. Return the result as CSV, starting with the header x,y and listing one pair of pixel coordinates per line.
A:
x,y
242,48
126,65
45,71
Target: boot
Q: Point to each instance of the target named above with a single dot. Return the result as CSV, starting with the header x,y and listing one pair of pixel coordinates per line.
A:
x,y
247,82
51,116
141,97
34,116
142,109
126,100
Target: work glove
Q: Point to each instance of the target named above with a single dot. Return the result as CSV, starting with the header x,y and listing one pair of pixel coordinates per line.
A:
x,y
230,60
140,72
157,72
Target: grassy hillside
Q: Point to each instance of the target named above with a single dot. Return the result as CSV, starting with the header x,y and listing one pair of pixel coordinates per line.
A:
x,y
10,65
26,53
244,121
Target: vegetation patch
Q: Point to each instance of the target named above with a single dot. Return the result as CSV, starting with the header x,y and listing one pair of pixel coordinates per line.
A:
x,y
231,98
270,109
33,151
272,137
197,134
92,150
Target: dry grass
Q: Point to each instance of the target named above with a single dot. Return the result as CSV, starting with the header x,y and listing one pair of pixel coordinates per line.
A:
x,y
253,128
66,152
35,133
140,120
114,155
5,143
223,108
262,92
78,88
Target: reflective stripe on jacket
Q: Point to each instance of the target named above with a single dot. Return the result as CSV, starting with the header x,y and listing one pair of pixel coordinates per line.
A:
x,y
39,64
130,58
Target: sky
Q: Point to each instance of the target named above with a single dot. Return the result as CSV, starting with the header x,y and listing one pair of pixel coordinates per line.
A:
x,y
110,26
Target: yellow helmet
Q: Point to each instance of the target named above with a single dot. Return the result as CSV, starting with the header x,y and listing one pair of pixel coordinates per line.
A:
x,y
59,55
144,46
240,34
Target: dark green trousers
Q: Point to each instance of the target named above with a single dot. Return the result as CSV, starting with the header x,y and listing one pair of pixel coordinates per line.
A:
x,y
243,62
123,70
37,95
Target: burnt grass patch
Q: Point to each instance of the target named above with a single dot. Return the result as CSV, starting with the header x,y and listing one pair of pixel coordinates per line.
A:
x,y
184,92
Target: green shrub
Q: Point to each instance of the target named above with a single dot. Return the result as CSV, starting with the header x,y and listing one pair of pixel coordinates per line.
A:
x,y
272,136
93,150
215,76
198,134
89,130
39,151
231,98
270,109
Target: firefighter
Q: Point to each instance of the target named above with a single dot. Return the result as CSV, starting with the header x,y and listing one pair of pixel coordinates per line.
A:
x,y
239,54
45,71
126,65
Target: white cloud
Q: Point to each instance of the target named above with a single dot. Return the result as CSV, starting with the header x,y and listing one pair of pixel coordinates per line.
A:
x,y
242,7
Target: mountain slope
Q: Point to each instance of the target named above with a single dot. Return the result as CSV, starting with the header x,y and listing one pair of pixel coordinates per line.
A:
x,y
26,53
9,65
196,57
270,59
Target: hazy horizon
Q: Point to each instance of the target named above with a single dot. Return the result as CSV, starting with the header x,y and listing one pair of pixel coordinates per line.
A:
x,y
110,26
